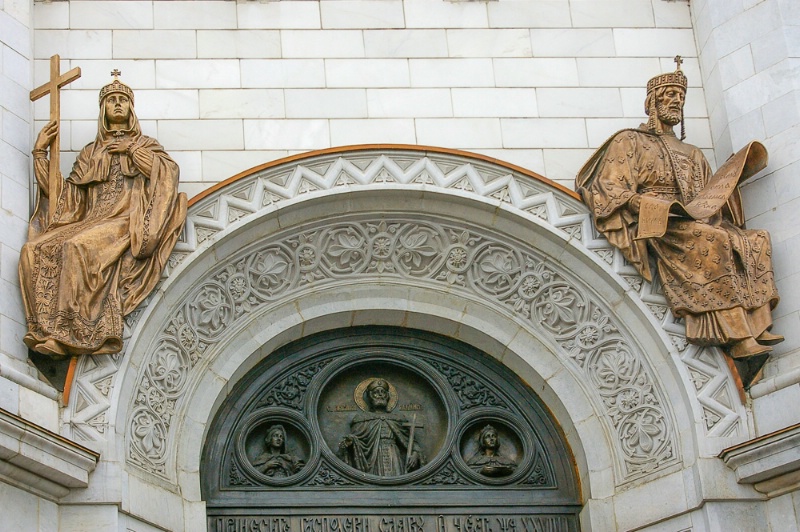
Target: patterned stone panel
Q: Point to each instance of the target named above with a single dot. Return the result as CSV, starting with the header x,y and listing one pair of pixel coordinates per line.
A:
x,y
450,255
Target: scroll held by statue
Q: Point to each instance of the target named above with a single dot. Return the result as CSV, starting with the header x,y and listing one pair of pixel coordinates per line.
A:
x,y
654,212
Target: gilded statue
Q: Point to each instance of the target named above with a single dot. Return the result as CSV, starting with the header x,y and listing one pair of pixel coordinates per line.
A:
x,y
276,462
380,441
99,238
655,198
488,461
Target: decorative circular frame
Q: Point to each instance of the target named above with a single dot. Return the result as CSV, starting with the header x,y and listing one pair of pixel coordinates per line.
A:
x,y
387,356
511,423
259,418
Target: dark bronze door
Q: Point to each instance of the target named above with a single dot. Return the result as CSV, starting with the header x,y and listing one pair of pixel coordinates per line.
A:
x,y
377,429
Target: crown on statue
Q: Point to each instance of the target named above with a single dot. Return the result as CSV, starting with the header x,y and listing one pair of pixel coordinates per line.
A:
x,y
677,78
116,86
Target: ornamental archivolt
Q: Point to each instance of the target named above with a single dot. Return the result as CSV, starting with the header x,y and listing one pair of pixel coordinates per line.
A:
x,y
706,376
479,264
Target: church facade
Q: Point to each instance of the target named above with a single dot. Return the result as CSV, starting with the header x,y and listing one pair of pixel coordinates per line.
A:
x,y
389,309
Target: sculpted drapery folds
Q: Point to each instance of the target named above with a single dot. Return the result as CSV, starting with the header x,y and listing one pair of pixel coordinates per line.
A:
x,y
276,462
716,274
99,240
379,440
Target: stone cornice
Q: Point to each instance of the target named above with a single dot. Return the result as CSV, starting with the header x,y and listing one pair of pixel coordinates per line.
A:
x,y
771,462
42,461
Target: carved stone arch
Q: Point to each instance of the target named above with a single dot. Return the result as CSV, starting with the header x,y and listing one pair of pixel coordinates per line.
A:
x,y
458,245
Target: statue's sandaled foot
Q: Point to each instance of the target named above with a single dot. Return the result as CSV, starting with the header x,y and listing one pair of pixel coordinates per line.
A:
x,y
767,338
748,348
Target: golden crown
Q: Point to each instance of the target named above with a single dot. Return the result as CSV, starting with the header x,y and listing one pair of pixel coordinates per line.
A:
x,y
116,86
677,78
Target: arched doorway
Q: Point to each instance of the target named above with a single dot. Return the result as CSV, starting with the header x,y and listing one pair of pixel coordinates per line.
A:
x,y
386,429
451,243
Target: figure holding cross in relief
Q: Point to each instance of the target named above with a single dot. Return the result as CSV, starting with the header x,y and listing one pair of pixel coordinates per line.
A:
x,y
99,238
381,442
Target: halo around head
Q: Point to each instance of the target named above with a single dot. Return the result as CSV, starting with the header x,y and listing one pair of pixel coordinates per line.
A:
x,y
358,394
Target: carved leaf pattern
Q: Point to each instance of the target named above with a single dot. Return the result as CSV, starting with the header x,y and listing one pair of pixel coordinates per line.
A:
x,y
326,476
235,478
447,476
291,391
454,257
539,475
471,393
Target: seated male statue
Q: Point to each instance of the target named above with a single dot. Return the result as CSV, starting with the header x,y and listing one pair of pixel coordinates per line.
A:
x,y
716,274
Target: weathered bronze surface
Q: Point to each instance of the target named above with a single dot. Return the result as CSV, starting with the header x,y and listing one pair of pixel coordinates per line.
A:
x,y
99,239
385,430
275,461
655,198
380,441
488,461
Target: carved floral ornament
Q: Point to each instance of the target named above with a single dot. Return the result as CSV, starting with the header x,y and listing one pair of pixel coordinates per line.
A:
x,y
433,253
508,275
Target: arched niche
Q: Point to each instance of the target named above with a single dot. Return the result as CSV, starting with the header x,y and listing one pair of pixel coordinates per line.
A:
x,y
446,242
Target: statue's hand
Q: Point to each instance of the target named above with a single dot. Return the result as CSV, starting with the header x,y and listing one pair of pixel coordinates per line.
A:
x,y
634,203
413,462
346,442
119,146
46,136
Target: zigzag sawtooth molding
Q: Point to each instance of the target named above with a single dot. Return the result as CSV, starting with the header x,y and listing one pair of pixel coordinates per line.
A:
x,y
267,188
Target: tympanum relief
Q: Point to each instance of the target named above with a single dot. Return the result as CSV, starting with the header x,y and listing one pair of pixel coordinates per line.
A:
x,y
391,420
276,461
487,460
380,441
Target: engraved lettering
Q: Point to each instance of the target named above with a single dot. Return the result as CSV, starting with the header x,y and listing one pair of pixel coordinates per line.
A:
x,y
507,524
253,524
341,408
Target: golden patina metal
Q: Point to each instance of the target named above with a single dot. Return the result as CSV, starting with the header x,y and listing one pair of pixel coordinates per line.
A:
x,y
656,198
99,238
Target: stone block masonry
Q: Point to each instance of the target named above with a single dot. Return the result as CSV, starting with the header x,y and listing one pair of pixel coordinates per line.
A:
x,y
262,71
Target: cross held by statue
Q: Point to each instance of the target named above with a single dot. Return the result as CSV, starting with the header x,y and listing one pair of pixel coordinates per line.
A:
x,y
53,88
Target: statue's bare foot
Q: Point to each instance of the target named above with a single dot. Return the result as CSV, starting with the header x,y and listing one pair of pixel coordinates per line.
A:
x,y
767,338
748,348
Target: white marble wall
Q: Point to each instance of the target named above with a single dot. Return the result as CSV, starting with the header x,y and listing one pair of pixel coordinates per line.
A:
x,y
227,85
20,390
750,61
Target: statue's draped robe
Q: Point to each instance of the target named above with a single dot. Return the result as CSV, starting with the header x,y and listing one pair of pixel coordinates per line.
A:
x,y
715,274
96,250
278,465
494,465
380,444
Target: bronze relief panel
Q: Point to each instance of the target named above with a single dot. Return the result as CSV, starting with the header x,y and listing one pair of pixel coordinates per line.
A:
x,y
384,418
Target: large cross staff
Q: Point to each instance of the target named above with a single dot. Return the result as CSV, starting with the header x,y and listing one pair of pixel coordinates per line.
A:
x,y
53,88
413,425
